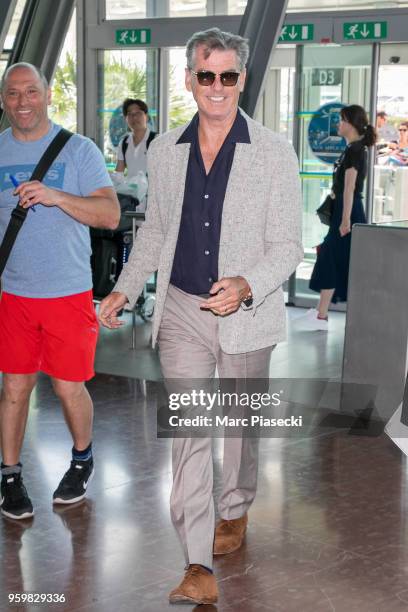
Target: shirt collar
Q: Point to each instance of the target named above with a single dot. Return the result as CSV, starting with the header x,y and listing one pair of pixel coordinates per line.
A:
x,y
238,132
129,136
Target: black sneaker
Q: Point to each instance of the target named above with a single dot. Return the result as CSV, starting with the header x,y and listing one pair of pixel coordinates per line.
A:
x,y
72,487
15,502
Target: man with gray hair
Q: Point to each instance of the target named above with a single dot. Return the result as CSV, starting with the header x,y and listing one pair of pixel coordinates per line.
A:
x,y
223,230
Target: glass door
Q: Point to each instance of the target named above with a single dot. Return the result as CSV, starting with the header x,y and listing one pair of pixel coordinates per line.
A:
x,y
124,74
181,104
329,76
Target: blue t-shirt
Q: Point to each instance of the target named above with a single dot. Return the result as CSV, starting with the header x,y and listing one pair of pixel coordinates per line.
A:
x,y
51,256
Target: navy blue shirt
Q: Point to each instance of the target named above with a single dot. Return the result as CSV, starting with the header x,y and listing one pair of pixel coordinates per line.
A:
x,y
195,264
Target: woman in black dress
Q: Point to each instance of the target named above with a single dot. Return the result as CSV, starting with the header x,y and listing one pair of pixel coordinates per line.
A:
x,y
330,273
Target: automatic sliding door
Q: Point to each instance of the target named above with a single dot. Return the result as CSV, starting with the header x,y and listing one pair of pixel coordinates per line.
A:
x,y
329,75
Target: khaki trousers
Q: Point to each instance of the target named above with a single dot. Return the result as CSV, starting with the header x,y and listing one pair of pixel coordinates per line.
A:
x,y
189,349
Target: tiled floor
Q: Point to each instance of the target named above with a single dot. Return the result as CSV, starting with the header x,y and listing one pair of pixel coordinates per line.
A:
x,y
327,532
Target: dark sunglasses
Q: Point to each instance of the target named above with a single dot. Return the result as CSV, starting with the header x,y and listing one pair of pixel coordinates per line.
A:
x,y
206,77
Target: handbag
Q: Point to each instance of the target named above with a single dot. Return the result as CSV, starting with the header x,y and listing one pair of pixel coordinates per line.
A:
x,y
19,213
325,210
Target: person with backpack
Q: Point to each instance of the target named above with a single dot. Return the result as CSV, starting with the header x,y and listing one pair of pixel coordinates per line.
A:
x,y
133,146
47,316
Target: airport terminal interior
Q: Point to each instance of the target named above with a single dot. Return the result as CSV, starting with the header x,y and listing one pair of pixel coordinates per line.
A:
x,y
328,529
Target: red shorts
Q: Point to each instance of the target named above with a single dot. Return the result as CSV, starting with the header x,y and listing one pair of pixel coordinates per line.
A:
x,y
55,335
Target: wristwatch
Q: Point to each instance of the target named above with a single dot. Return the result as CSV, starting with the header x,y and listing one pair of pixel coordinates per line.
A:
x,y
248,300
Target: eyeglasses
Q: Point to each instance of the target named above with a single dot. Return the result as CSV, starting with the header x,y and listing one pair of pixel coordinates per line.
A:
x,y
135,114
206,77
402,129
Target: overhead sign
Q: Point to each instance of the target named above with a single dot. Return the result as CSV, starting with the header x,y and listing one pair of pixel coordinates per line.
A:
x,y
365,30
297,33
133,37
323,137
327,76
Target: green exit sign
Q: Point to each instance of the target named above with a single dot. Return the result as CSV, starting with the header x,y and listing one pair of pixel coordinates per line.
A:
x,y
133,37
365,30
297,33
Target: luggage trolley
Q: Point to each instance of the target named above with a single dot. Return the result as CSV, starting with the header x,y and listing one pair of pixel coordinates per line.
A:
x,y
110,251
144,306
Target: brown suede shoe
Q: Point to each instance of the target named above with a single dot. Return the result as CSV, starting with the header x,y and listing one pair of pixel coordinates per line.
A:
x,y
197,587
229,535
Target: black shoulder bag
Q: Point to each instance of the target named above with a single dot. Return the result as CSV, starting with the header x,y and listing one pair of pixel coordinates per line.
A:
x,y
325,210
19,213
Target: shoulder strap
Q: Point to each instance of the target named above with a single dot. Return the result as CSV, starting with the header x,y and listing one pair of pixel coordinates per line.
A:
x,y
19,213
125,144
152,135
51,153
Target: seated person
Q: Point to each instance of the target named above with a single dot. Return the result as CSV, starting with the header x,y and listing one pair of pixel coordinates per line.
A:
x,y
394,153
385,131
398,152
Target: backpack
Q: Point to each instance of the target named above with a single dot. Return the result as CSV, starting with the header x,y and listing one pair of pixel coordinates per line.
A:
x,y
125,143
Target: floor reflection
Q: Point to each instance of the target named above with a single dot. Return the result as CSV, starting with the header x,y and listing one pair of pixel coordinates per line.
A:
x,y
327,531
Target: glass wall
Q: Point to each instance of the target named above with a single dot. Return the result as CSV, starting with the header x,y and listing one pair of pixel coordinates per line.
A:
x,y
286,104
236,7
391,169
188,8
125,9
345,76
330,75
63,108
181,106
341,5
276,107
11,34
137,9
64,91
124,74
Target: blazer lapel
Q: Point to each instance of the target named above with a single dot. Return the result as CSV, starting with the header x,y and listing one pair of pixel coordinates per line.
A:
x,y
172,200
232,212
179,155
